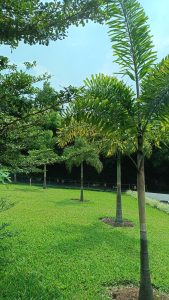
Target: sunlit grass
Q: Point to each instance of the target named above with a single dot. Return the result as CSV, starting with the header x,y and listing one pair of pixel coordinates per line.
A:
x,y
61,250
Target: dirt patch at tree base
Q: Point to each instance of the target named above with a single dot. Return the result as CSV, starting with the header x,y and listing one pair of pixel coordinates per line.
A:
x,y
78,199
113,223
131,293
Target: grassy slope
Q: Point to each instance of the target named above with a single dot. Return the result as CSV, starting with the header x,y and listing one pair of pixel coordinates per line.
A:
x,y
62,250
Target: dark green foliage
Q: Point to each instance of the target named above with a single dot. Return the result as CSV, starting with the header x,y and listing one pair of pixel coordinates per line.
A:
x,y
25,115
47,96
39,21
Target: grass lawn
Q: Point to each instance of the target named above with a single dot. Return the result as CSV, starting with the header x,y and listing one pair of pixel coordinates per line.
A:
x,y
61,250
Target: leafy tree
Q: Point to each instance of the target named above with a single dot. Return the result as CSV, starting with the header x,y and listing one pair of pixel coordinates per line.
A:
x,y
44,149
18,95
42,157
29,119
79,153
23,112
31,152
39,22
33,148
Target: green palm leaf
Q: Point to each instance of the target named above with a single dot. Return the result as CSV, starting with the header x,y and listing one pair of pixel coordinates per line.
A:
x,y
107,102
80,152
155,92
131,39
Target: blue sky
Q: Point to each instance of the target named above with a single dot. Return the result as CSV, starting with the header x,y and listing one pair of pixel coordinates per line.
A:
x,y
87,50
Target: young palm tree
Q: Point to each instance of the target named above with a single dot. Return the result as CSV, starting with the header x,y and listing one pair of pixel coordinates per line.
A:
x,y
79,153
106,102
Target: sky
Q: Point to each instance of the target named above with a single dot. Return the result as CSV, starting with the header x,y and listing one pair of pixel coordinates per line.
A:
x,y
87,50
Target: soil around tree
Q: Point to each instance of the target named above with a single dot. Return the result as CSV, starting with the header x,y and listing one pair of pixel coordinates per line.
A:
x,y
78,199
131,293
113,223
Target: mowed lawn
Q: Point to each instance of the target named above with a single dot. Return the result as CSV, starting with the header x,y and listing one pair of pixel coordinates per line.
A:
x,y
61,250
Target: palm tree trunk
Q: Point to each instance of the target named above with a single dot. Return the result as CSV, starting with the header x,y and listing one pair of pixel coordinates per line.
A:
x,y
15,178
118,196
145,292
81,187
44,177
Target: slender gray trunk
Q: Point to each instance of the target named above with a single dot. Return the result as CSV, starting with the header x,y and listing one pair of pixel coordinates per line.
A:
x,y
30,181
145,291
81,185
119,218
15,178
44,177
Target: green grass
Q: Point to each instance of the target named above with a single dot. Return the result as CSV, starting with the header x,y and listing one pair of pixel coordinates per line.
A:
x,y
61,250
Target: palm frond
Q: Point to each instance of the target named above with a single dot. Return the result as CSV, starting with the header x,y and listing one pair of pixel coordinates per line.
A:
x,y
131,39
155,93
108,101
72,129
82,151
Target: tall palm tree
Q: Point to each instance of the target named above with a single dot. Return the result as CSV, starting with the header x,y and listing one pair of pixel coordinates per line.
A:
x,y
139,113
133,48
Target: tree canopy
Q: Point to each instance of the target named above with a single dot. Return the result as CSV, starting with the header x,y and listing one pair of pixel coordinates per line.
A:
x,y
36,21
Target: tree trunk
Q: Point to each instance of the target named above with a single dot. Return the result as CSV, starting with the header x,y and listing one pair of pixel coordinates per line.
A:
x,y
44,177
15,178
118,196
81,187
145,292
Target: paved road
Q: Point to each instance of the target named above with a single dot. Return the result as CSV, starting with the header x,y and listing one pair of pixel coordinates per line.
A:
x,y
160,197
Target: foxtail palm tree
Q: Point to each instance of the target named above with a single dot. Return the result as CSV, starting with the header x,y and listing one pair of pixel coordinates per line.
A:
x,y
107,101
79,153
133,48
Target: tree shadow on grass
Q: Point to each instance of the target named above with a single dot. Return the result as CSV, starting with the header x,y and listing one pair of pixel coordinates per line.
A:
x,y
23,188
86,237
28,189
77,247
99,250
72,201
28,285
